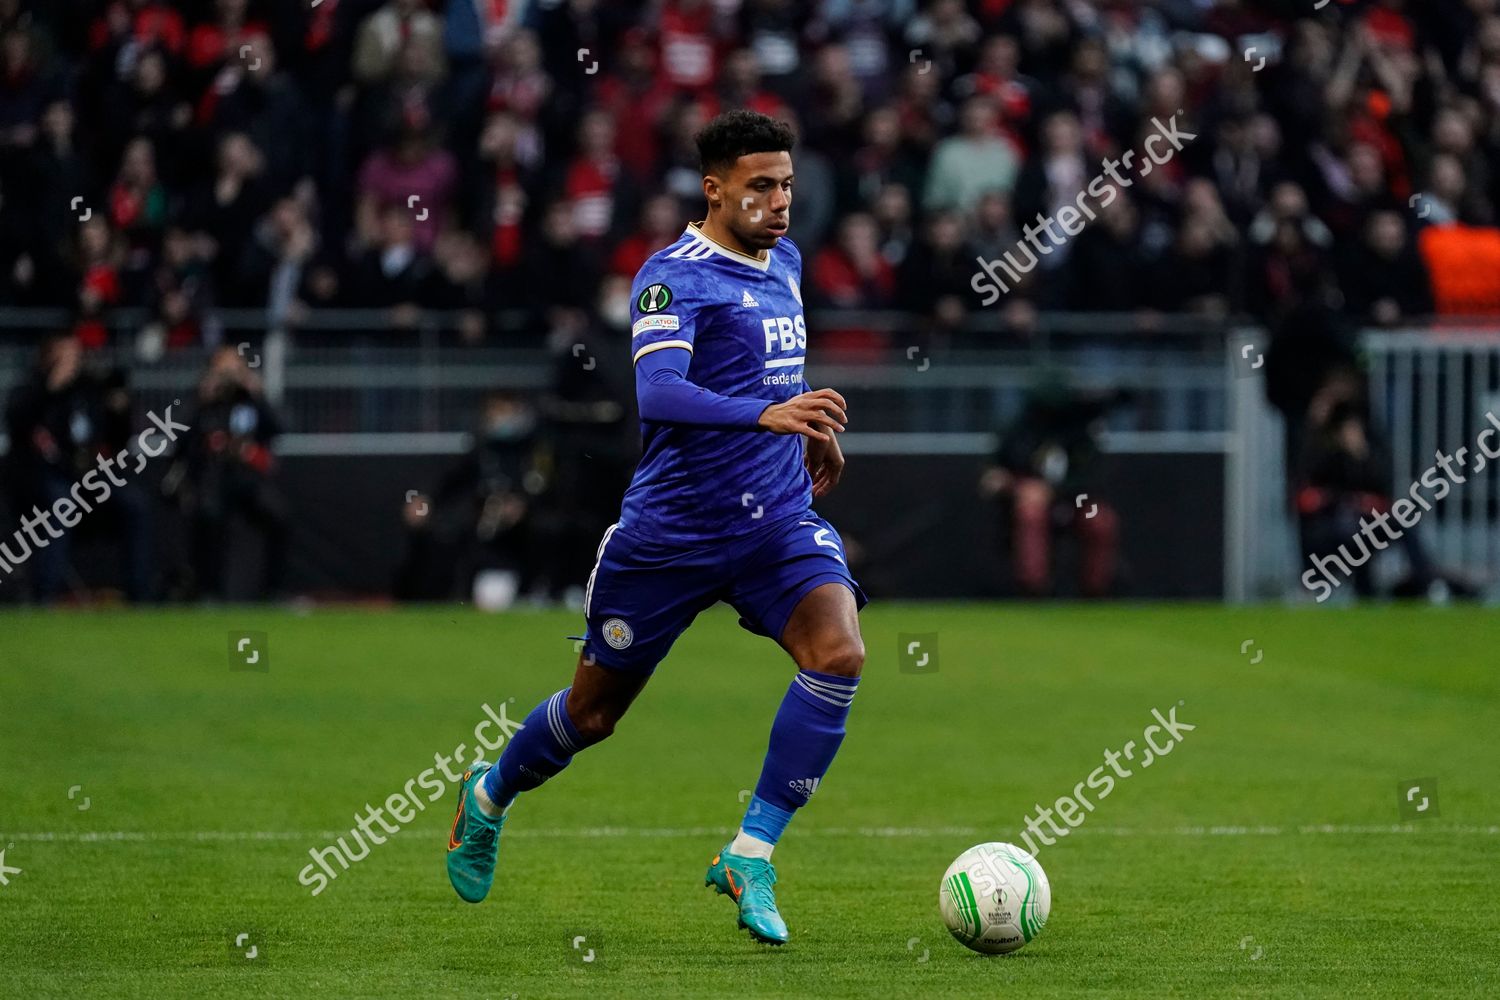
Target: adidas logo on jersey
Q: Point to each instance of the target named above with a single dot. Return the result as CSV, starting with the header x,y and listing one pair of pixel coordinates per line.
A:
x,y
749,301
803,786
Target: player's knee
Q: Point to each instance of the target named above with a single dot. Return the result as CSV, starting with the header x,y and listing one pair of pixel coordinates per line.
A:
x,y
845,658
594,723
594,717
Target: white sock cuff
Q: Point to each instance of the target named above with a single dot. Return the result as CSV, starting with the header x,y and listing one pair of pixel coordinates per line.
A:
x,y
747,846
486,805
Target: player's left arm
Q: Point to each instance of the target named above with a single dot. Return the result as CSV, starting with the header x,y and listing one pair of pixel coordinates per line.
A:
x,y
824,458
825,463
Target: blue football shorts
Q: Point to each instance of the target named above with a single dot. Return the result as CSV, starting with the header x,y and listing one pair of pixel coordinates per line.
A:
x,y
642,595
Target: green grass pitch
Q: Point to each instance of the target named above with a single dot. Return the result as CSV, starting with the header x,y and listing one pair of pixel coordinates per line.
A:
x,y
1264,857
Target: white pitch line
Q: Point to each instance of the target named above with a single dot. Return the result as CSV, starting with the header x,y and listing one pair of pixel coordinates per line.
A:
x,y
614,832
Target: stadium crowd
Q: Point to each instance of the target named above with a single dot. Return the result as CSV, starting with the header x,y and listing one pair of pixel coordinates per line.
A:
x,y
484,155
510,164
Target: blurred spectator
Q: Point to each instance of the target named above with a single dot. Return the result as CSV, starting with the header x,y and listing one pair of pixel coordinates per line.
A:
x,y
61,421
967,165
1290,254
508,186
661,223
1383,276
521,85
250,97
394,270
632,90
1110,267
997,76
1058,175
138,201
935,276
884,158
816,192
1103,113
460,284
415,175
99,267
224,479
180,297
272,264
1195,276
1044,462
27,84
228,205
597,190
947,34
994,231
1343,478
562,274
852,274
480,116
687,44
835,102
397,25
211,43
1243,165
741,85
146,104
591,438
894,215
474,535
1200,273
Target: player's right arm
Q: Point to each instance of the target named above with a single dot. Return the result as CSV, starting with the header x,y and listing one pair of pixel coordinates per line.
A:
x,y
666,395
664,324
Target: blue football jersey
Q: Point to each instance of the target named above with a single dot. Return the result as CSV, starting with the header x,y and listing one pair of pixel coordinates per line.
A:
x,y
741,318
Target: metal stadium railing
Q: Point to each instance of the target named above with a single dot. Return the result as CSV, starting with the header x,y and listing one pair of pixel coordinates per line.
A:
x,y
351,374
1436,392
1433,391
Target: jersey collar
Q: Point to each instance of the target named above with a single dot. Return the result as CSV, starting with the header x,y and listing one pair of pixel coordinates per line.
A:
x,y
698,234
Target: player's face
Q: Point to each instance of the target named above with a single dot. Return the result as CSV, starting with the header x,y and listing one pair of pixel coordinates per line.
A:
x,y
757,198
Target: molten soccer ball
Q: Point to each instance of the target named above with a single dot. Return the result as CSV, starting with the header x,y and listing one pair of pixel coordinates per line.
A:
x,y
995,898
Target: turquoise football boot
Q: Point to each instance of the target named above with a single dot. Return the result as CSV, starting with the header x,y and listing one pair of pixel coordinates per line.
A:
x,y
748,882
474,841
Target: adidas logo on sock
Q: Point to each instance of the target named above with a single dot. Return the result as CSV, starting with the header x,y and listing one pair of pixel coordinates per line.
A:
x,y
803,786
749,300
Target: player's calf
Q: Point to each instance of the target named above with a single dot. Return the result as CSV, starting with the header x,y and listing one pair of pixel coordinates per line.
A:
x,y
569,721
822,636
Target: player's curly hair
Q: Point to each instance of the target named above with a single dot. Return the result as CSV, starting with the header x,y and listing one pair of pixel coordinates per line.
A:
x,y
738,133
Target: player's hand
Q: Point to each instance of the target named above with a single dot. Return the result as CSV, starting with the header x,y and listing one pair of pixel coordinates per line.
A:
x,y
825,463
815,415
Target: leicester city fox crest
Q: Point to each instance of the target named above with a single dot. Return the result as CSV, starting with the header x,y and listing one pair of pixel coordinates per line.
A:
x,y
617,633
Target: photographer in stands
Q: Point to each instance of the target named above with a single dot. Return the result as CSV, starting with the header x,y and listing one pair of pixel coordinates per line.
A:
x,y
60,421
224,478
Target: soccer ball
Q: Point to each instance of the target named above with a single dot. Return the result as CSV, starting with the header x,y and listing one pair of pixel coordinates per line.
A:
x,y
995,898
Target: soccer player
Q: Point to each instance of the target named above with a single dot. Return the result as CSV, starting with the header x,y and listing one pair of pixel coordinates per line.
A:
x,y
720,508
